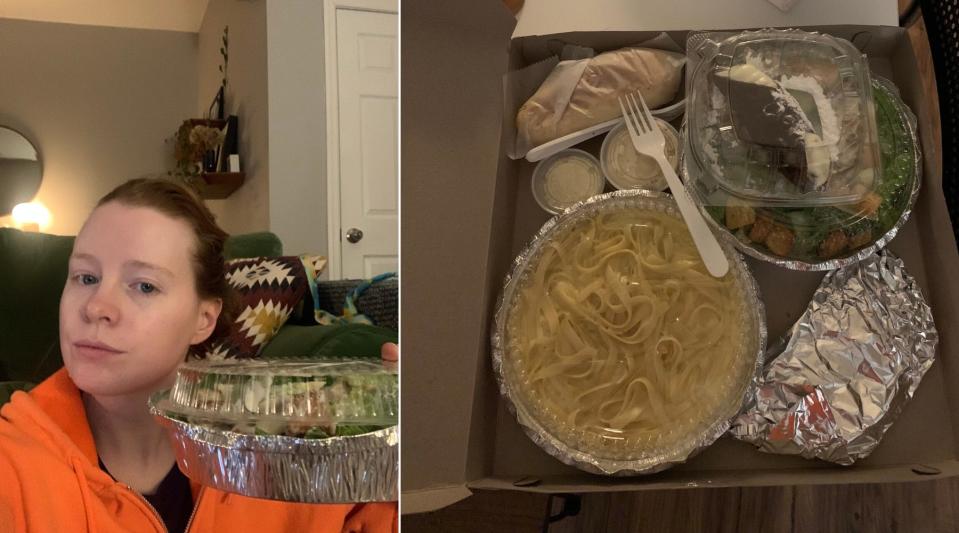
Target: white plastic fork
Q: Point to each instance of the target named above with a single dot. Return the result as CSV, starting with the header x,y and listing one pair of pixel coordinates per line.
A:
x,y
649,140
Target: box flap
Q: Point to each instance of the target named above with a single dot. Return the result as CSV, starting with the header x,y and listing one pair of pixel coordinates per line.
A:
x,y
542,17
727,478
454,56
423,501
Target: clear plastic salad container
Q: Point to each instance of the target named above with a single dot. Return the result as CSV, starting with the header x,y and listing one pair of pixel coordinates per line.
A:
x,y
288,397
827,237
803,198
783,118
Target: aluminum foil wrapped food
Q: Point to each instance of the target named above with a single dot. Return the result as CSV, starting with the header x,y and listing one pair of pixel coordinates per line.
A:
x,y
847,366
288,429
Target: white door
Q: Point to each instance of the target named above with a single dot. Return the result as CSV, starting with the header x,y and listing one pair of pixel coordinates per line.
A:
x,y
367,58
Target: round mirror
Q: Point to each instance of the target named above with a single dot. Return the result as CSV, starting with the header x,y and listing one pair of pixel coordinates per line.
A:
x,y
20,170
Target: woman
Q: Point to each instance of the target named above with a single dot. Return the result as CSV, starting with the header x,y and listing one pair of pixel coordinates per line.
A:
x,y
81,451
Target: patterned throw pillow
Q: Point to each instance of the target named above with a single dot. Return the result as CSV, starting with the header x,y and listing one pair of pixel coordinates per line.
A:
x,y
268,289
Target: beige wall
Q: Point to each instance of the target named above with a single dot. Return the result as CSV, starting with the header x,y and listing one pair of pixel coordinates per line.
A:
x,y
98,102
297,130
247,209
276,88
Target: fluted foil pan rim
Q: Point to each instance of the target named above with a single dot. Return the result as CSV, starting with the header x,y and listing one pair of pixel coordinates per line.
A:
x,y
372,458
553,445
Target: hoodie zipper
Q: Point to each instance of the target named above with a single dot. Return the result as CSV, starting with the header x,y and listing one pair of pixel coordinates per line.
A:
x,y
196,507
157,513
149,505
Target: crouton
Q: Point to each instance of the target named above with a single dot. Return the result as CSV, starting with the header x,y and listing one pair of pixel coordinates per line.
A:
x,y
860,239
739,214
869,205
834,244
760,229
780,240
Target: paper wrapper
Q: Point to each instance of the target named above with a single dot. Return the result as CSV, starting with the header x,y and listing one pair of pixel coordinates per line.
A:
x,y
520,85
362,468
845,369
534,429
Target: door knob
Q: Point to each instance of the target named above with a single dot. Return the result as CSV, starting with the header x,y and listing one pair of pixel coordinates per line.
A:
x,y
354,235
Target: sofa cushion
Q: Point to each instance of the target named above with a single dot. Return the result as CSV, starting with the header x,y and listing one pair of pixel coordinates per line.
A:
x,y
7,388
268,289
259,244
34,269
352,341
379,302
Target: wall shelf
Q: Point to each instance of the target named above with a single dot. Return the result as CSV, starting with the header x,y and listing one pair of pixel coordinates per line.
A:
x,y
219,185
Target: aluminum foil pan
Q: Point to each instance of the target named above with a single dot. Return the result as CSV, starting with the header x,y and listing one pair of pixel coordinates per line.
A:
x,y
846,368
584,460
909,122
362,468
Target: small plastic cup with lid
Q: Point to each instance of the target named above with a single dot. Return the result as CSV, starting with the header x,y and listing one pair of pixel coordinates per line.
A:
x,y
625,168
566,178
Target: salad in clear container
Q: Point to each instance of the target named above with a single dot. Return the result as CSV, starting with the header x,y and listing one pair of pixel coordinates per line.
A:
x,y
793,148
294,398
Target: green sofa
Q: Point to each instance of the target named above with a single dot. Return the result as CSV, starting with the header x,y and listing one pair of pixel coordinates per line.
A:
x,y
33,269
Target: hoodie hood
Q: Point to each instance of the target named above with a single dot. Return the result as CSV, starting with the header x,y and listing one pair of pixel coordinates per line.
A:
x,y
51,420
51,479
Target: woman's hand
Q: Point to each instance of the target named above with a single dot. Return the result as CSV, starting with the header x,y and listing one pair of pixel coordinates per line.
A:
x,y
390,352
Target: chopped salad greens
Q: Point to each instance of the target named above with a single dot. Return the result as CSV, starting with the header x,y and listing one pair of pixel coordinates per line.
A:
x,y
814,234
291,398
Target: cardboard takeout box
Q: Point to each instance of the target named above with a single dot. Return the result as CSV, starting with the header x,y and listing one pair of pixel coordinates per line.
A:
x,y
468,210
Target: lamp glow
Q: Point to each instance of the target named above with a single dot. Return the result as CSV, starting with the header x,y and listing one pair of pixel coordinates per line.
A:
x,y
32,216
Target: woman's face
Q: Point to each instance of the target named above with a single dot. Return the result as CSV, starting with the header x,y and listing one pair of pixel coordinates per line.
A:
x,y
130,310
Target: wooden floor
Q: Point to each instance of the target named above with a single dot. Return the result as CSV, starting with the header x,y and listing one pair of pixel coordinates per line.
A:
x,y
931,506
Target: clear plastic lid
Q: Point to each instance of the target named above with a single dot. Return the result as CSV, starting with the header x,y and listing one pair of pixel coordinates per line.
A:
x,y
286,396
783,117
625,168
816,235
566,178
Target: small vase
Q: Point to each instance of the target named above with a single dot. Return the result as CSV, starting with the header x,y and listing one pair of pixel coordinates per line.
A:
x,y
209,161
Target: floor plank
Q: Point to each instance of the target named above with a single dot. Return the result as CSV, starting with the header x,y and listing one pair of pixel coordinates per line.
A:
x,y
766,509
593,516
833,508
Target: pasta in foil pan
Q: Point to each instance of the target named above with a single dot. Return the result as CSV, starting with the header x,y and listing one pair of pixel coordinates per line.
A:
x,y
616,350
846,368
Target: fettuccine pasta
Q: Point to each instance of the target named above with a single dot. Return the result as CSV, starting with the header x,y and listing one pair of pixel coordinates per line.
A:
x,y
622,340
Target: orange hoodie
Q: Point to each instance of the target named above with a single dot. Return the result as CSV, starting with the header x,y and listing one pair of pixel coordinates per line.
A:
x,y
50,482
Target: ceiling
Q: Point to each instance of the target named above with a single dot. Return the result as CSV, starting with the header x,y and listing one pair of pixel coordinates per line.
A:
x,y
176,15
